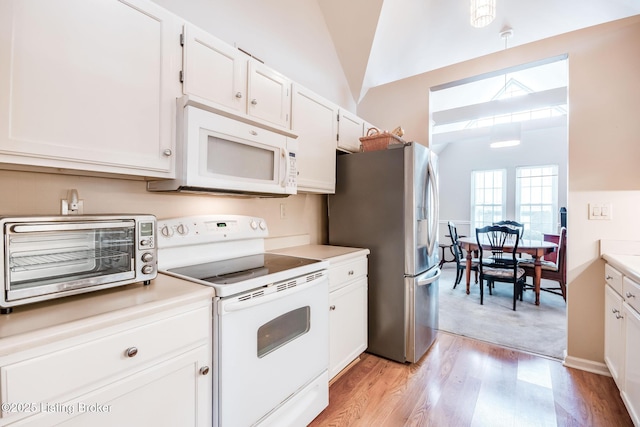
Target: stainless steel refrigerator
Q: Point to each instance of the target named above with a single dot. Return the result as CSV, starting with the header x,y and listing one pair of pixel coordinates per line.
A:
x,y
387,201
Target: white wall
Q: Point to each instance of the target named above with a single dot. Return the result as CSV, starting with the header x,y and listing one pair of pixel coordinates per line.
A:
x,y
459,159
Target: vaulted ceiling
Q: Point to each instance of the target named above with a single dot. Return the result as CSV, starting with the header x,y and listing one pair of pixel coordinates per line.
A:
x,y
381,41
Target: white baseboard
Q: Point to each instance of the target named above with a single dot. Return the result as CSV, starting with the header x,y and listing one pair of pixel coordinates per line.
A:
x,y
586,365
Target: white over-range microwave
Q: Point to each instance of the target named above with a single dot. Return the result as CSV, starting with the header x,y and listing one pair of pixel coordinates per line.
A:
x,y
220,154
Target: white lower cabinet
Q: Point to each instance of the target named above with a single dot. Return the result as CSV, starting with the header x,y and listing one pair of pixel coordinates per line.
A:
x,y
631,389
622,337
148,371
347,312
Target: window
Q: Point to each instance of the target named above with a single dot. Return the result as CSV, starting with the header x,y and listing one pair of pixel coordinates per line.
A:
x,y
537,199
487,197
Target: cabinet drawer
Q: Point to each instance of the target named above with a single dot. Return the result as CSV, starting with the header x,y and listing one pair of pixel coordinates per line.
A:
x,y
342,273
613,278
631,293
51,376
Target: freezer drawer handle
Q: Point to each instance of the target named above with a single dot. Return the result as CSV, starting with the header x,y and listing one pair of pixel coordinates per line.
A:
x,y
430,279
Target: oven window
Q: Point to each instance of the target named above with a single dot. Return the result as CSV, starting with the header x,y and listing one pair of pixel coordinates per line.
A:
x,y
52,261
232,158
282,330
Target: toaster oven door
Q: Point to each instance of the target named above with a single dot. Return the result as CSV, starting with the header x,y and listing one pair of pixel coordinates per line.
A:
x,y
49,257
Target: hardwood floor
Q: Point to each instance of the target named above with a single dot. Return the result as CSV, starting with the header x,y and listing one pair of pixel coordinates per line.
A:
x,y
465,382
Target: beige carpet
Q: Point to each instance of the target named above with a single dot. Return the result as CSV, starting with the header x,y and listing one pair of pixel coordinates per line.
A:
x,y
537,329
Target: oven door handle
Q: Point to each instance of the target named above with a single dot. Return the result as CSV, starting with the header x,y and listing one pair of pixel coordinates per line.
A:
x,y
80,225
231,306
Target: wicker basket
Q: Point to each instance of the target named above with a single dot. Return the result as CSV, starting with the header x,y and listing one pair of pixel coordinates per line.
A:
x,y
376,140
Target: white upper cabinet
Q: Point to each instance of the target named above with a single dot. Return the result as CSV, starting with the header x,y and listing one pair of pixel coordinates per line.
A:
x,y
232,81
89,85
269,94
214,70
350,129
314,120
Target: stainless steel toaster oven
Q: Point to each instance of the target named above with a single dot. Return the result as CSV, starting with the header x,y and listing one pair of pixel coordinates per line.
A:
x,y
56,256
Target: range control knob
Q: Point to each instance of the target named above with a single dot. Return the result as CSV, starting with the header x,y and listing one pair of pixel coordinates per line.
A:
x,y
166,231
182,229
147,257
147,269
254,224
263,225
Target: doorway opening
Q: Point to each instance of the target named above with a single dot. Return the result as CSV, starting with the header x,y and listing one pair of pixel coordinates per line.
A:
x,y
526,105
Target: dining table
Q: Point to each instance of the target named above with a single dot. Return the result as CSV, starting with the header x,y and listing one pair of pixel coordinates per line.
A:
x,y
536,248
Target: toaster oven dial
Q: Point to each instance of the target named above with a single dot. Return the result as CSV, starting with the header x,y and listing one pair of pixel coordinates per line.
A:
x,y
147,269
147,257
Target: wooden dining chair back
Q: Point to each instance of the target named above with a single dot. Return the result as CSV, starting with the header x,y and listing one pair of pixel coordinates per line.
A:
x,y
456,249
553,271
501,264
513,224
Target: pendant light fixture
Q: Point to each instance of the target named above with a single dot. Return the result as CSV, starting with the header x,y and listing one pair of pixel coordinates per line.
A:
x,y
505,134
483,12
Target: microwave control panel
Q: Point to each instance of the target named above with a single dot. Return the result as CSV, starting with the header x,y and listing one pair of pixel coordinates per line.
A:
x,y
292,179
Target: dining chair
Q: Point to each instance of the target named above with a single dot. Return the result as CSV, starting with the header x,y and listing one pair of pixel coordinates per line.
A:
x,y
501,265
514,224
456,249
554,271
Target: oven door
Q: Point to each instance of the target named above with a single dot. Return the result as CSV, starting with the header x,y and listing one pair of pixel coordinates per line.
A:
x,y
228,155
271,344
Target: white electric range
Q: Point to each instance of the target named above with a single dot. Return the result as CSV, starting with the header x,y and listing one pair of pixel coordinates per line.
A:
x,y
270,318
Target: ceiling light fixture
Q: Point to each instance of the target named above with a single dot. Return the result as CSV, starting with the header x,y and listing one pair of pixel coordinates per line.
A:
x,y
483,12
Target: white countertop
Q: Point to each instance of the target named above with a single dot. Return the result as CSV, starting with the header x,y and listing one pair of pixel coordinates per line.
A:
x,y
322,252
629,265
40,323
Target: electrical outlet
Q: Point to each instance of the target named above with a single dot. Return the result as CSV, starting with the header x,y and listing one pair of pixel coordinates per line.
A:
x,y
283,212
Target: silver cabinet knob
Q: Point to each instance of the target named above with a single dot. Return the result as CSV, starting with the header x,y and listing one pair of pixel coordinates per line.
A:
x,y
167,152
333,307
350,273
204,370
254,102
131,351
238,95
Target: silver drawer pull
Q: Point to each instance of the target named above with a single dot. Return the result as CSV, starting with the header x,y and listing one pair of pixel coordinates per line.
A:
x,y
630,295
619,316
204,370
131,351
350,273
167,152
254,102
333,307
238,95
608,277
615,310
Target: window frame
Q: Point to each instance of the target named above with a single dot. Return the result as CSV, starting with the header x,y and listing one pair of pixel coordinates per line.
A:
x,y
536,230
503,205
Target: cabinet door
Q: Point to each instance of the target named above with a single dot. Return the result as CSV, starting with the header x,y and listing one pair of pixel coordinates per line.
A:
x,y
614,335
347,325
89,85
631,390
315,121
269,94
213,70
350,129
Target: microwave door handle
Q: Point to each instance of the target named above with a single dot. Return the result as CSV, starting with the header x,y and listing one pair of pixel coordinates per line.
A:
x,y
285,155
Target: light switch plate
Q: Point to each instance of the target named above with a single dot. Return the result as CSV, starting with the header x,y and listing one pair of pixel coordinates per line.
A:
x,y
600,211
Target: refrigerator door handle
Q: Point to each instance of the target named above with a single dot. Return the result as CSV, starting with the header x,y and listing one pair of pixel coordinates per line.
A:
x,y
430,280
433,226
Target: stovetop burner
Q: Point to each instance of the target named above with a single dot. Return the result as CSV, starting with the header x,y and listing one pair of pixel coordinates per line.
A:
x,y
230,271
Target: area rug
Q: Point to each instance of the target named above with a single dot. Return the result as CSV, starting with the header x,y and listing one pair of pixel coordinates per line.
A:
x,y
537,329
